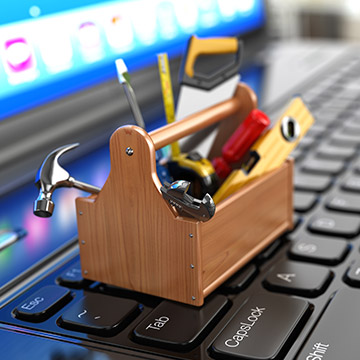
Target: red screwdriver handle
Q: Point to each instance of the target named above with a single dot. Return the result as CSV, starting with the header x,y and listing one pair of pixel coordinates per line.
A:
x,y
240,141
244,136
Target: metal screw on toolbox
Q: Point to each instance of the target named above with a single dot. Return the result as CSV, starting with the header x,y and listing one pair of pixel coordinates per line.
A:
x,y
129,151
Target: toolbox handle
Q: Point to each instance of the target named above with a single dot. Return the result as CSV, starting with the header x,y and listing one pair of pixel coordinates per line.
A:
x,y
193,123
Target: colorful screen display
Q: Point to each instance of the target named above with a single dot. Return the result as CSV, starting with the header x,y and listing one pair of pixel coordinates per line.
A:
x,y
49,49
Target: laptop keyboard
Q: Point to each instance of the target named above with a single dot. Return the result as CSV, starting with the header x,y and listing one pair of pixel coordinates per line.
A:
x,y
298,299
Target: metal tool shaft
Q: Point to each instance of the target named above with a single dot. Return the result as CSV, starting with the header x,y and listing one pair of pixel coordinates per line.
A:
x,y
84,186
124,79
130,94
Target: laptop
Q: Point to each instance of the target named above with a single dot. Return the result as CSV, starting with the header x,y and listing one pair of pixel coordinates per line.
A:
x,y
295,300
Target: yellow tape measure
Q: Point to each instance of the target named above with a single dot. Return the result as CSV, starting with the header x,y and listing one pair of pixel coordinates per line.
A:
x,y
168,98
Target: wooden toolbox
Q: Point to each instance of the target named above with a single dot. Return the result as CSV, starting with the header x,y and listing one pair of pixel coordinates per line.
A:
x,y
130,237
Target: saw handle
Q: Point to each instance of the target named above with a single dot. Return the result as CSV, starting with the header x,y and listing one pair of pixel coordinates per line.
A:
x,y
179,129
209,46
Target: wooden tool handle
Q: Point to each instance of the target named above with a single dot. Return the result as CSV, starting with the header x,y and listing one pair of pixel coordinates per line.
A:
x,y
178,129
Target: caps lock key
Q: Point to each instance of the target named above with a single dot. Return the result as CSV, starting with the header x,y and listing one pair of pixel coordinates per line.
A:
x,y
261,328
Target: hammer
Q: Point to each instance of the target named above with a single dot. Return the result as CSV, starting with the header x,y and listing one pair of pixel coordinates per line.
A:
x,y
52,176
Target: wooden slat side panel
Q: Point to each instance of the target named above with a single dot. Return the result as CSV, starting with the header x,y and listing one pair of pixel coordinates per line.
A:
x,y
244,224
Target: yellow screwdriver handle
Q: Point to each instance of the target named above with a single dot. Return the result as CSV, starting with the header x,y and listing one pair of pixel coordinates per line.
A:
x,y
208,46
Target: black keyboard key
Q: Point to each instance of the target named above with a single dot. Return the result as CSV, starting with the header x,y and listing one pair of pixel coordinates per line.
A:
x,y
178,326
309,182
340,103
99,314
303,201
351,128
330,223
356,167
352,276
297,155
306,143
351,141
270,251
262,328
326,116
297,219
42,304
343,202
298,279
322,166
241,279
336,336
319,250
72,277
317,130
334,152
351,183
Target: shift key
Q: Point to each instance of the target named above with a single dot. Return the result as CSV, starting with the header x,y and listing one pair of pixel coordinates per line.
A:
x,y
262,328
336,336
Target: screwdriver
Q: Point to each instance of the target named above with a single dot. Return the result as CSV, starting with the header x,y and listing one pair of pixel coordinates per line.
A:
x,y
124,79
240,142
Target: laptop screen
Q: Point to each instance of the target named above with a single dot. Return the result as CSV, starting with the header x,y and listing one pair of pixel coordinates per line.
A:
x,y
53,49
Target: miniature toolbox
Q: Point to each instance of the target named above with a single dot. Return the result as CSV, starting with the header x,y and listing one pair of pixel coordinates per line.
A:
x,y
130,237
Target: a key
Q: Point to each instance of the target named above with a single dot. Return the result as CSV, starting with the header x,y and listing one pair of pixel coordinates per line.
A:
x,y
297,219
241,279
42,304
351,141
340,103
322,166
356,167
336,336
335,152
343,202
319,249
304,201
297,155
309,182
317,130
306,143
333,224
261,328
270,250
351,183
352,276
299,279
327,116
351,128
72,277
99,314
178,326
